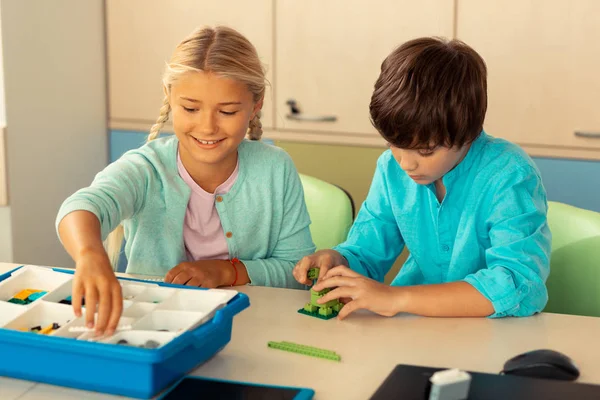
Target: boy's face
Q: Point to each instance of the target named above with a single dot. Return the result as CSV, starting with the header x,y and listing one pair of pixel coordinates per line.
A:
x,y
425,166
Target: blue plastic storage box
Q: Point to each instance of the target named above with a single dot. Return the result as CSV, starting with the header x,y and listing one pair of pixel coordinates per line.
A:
x,y
196,329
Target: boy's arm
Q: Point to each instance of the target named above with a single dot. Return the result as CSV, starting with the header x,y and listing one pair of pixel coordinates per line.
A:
x,y
518,261
512,284
374,241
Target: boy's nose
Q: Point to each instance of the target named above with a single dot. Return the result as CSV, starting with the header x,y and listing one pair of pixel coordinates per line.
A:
x,y
408,165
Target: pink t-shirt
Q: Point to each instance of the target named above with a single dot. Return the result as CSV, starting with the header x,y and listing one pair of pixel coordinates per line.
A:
x,y
202,231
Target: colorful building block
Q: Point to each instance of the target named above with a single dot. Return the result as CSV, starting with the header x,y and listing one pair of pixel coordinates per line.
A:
x,y
27,296
314,309
45,330
69,301
305,350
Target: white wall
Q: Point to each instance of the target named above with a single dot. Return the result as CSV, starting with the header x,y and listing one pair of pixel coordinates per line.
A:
x,y
2,107
5,225
55,88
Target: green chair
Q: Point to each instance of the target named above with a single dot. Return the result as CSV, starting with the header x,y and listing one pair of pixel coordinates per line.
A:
x,y
331,211
574,281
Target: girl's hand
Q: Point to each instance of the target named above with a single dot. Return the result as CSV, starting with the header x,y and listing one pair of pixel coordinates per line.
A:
x,y
322,259
203,273
95,281
362,292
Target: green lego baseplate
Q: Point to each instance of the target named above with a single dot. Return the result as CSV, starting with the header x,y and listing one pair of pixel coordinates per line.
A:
x,y
317,315
305,350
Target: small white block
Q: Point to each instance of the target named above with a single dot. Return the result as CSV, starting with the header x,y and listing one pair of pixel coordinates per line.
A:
x,y
77,329
450,384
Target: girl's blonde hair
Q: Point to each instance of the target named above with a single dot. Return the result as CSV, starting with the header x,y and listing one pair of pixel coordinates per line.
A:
x,y
219,50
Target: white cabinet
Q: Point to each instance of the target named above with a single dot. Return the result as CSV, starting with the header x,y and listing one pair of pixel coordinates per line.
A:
x,y
328,56
142,35
543,60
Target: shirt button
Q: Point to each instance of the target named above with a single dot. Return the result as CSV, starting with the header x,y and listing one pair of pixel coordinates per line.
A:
x,y
219,199
229,235
445,247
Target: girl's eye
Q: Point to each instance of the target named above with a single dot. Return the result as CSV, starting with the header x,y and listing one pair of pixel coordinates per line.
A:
x,y
229,112
190,110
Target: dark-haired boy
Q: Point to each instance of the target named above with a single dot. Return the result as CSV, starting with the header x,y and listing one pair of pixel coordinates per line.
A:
x,y
470,208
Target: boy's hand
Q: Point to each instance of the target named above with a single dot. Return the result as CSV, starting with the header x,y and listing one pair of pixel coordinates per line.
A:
x,y
364,293
95,281
322,259
203,273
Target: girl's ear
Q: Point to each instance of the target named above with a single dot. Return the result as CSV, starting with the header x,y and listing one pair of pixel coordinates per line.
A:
x,y
257,107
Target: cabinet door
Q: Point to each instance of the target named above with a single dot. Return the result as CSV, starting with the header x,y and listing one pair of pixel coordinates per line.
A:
x,y
543,60
142,35
329,53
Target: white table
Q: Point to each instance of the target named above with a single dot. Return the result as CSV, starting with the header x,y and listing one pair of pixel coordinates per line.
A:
x,y
370,347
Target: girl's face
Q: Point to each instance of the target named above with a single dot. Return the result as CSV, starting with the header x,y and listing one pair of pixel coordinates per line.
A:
x,y
210,116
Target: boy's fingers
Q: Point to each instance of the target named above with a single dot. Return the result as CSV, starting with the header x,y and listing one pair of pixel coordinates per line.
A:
x,y
349,308
342,270
325,265
302,270
335,281
337,294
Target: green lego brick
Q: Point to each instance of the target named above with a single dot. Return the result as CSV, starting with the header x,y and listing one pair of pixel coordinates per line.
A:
x,y
317,315
305,350
311,308
313,273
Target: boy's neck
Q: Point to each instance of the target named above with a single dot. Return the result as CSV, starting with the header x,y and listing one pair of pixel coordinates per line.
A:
x,y
440,190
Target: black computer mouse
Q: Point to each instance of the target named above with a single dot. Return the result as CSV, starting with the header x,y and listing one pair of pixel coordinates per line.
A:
x,y
548,364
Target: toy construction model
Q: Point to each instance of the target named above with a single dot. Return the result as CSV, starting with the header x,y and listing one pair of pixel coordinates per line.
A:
x,y
323,311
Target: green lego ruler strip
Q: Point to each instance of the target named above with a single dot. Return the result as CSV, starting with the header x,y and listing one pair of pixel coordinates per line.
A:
x,y
306,350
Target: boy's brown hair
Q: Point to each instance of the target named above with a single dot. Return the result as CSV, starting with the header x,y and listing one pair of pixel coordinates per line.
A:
x,y
431,92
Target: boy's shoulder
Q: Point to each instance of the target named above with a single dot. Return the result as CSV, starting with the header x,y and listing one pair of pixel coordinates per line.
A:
x,y
500,154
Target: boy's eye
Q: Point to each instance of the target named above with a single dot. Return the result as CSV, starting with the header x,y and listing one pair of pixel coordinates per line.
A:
x,y
426,152
228,112
190,110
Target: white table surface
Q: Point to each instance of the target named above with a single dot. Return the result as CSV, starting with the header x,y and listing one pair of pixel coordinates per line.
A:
x,y
370,347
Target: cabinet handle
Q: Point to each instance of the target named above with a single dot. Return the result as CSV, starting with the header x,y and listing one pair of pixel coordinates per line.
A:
x,y
592,135
296,115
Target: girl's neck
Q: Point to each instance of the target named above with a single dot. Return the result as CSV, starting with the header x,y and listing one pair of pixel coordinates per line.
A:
x,y
210,176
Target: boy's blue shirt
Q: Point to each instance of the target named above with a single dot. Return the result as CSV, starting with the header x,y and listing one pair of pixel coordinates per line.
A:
x,y
490,230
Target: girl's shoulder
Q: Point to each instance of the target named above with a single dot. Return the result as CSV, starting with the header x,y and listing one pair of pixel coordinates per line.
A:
x,y
263,155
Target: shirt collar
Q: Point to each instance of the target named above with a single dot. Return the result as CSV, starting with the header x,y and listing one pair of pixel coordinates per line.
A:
x,y
468,161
